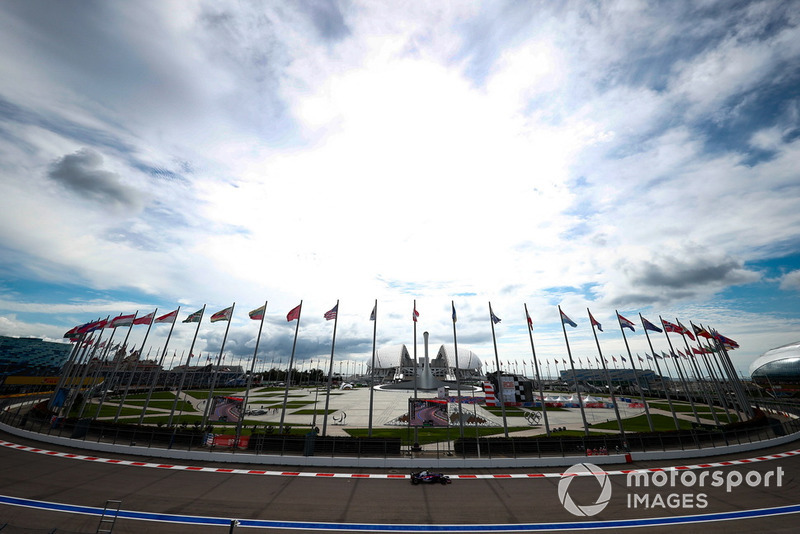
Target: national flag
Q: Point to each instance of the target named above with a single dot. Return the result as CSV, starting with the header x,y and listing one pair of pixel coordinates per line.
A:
x,y
258,313
194,317
96,325
686,331
454,312
495,319
168,317
625,323
650,326
530,321
222,315
665,354
121,320
567,320
671,327
657,356
640,358
76,331
648,356
145,319
374,314
293,314
331,314
697,351
594,322
415,315
614,358
700,331
726,341
565,361
623,359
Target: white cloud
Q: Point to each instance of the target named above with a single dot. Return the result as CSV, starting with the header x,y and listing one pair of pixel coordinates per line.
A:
x,y
791,281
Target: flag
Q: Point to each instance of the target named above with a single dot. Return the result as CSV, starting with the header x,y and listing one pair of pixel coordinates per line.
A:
x,y
640,358
374,314
415,315
671,327
146,319
700,331
657,356
168,317
625,323
650,326
697,351
454,312
222,315
665,354
726,341
258,313
195,317
76,331
495,319
686,331
614,358
530,321
121,320
331,314
594,322
567,320
96,325
648,356
293,314
623,359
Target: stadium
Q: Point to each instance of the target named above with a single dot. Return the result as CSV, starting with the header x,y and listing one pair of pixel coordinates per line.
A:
x,y
778,370
395,363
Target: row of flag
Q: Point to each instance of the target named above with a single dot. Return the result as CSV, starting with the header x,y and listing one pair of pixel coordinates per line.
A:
x,y
294,314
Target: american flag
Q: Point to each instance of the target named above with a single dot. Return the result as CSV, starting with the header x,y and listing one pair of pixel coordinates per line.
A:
x,y
331,314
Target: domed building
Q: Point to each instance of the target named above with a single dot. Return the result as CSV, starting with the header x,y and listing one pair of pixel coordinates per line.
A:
x,y
778,370
396,363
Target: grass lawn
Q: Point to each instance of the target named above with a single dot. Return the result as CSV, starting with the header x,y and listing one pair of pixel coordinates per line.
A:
x,y
311,412
639,424
163,404
427,434
156,395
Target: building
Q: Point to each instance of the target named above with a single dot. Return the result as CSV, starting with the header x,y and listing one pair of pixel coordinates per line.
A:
x,y
778,370
27,363
395,363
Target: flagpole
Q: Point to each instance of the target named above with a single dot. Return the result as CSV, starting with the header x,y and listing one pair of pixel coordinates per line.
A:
x,y
661,377
536,368
372,369
84,356
458,381
289,370
215,375
680,373
416,373
330,374
133,371
249,377
159,368
117,365
608,377
636,375
183,375
711,373
499,377
574,375
708,395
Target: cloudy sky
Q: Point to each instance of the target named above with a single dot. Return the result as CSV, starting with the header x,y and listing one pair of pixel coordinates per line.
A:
x,y
633,156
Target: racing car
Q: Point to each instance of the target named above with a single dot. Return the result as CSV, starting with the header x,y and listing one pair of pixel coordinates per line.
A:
x,y
427,477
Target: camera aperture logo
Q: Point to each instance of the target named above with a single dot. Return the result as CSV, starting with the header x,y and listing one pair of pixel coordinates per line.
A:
x,y
585,469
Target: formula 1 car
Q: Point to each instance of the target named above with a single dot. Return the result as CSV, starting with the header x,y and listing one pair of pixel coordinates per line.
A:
x,y
426,477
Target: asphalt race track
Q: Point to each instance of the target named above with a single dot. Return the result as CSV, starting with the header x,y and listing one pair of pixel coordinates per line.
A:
x,y
201,501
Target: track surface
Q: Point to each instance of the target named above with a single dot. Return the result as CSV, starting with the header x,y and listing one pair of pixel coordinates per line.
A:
x,y
362,501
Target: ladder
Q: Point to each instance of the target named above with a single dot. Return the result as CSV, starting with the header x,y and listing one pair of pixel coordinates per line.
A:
x,y
109,516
